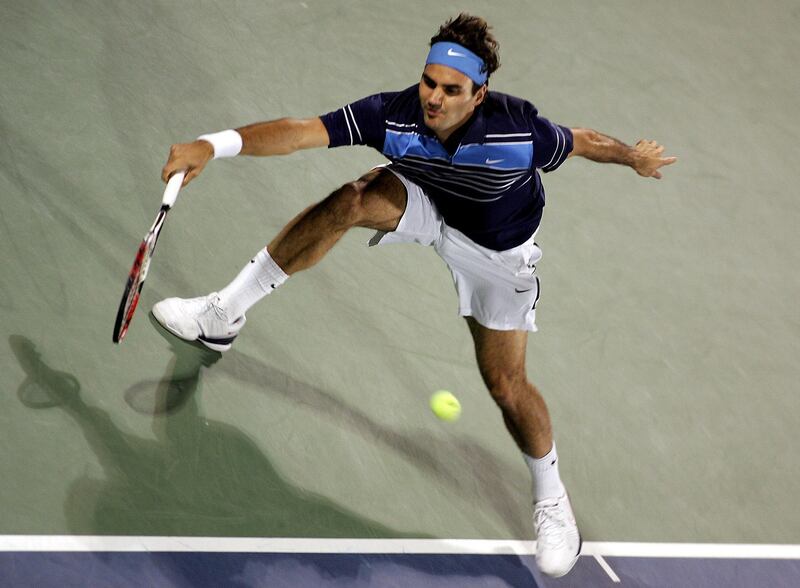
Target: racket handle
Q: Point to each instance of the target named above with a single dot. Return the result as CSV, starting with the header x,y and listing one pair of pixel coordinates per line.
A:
x,y
172,189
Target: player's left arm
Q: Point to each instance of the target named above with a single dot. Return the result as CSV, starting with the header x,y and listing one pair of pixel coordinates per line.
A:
x,y
646,157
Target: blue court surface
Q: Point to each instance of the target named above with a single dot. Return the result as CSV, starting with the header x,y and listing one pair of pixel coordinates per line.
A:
x,y
184,562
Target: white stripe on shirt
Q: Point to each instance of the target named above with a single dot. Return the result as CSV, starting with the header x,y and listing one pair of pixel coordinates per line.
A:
x,y
360,138
502,143
563,144
349,130
559,135
509,135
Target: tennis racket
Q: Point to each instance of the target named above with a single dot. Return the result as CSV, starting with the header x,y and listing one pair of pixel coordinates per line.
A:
x,y
138,273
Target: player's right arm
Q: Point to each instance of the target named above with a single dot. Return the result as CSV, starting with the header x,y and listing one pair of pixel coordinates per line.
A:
x,y
646,157
283,136
277,137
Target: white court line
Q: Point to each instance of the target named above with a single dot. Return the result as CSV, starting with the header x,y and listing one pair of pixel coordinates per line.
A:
x,y
693,550
388,546
607,568
261,545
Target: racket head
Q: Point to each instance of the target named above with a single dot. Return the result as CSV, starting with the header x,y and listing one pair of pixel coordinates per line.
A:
x,y
136,277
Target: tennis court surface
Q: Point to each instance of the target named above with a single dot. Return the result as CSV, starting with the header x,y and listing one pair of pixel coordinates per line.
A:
x,y
307,454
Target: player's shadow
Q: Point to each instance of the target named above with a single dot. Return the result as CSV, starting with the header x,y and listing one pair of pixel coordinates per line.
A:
x,y
463,466
200,477
194,476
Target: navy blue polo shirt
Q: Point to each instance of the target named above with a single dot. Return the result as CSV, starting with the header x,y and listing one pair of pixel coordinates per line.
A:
x,y
484,180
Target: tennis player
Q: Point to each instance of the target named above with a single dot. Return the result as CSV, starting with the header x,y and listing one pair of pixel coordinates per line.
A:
x,y
463,178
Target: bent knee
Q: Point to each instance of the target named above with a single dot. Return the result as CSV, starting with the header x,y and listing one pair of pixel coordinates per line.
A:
x,y
375,200
370,183
347,204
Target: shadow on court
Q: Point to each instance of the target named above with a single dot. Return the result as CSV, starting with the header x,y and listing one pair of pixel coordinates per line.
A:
x,y
197,477
468,470
202,477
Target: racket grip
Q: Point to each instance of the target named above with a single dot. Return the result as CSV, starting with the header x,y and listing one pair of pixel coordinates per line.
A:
x,y
172,189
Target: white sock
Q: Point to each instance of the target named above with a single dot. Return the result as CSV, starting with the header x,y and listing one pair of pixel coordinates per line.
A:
x,y
257,279
544,471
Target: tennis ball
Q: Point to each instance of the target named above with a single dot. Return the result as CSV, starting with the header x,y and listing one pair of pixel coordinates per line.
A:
x,y
445,406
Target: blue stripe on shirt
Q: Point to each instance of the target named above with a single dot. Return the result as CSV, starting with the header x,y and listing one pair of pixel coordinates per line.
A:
x,y
404,144
496,155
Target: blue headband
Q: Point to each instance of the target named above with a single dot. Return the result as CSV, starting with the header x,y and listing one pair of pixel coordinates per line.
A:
x,y
460,59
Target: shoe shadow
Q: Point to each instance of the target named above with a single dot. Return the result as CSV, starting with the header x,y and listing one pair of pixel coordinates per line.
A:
x,y
182,377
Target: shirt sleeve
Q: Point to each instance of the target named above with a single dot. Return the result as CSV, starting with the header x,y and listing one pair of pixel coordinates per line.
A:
x,y
357,123
552,144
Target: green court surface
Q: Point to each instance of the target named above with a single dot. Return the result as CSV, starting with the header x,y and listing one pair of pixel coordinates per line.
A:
x,y
669,321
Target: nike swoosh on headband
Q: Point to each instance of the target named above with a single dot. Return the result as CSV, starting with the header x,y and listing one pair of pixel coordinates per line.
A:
x,y
455,53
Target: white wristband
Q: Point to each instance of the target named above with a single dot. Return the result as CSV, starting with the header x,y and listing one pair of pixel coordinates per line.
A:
x,y
226,143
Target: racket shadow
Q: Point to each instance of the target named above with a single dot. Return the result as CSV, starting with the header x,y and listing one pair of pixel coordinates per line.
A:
x,y
43,386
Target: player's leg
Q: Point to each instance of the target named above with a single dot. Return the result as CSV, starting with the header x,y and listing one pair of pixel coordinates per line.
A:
x,y
501,361
377,200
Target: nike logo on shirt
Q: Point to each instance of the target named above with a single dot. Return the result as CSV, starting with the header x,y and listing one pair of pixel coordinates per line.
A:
x,y
491,161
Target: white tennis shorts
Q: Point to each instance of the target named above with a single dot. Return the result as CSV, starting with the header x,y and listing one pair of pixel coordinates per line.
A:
x,y
499,289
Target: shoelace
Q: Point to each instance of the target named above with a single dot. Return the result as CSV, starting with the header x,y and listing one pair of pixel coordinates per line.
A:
x,y
214,304
550,523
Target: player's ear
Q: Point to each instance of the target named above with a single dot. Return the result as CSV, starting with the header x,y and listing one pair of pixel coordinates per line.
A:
x,y
480,95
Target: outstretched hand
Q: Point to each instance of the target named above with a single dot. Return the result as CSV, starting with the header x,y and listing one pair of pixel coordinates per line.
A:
x,y
191,157
647,159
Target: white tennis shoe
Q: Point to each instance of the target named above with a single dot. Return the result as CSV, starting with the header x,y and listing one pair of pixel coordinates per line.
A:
x,y
558,542
199,319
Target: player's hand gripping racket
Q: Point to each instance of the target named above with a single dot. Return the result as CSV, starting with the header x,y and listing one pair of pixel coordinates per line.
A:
x,y
130,298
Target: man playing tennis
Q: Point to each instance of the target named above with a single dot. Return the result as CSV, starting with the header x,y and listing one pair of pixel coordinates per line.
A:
x,y
464,179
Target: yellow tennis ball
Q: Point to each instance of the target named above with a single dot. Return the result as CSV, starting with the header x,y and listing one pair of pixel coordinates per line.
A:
x,y
445,406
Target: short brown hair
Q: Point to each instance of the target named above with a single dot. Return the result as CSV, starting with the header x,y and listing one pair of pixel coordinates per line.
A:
x,y
473,33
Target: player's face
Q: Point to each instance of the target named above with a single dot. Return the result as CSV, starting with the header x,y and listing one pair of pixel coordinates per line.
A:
x,y
446,98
